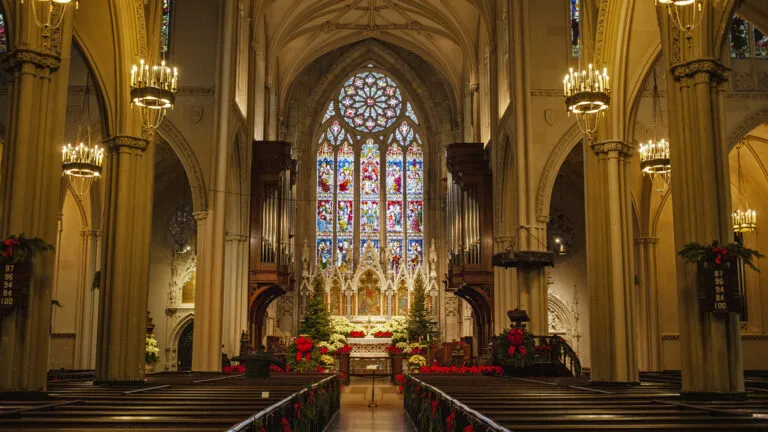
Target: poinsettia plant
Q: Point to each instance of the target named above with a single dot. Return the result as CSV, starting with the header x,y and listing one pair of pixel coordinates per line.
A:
x,y
346,349
357,334
393,349
303,355
716,253
515,348
21,249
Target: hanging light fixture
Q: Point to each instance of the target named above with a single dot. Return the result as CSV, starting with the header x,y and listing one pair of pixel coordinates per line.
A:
x,y
560,246
587,96
82,163
743,220
49,14
687,14
153,91
654,155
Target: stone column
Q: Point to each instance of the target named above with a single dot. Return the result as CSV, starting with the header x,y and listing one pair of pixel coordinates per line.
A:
x,y
125,260
711,357
235,292
609,261
30,187
648,324
88,304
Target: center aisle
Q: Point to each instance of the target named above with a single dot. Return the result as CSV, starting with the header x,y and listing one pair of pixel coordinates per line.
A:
x,y
355,415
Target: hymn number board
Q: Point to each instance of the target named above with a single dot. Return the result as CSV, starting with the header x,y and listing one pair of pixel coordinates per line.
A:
x,y
15,291
719,287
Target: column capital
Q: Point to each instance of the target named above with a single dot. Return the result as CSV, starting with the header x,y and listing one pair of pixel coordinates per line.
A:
x,y
610,146
647,240
717,71
16,59
128,142
91,233
233,237
200,215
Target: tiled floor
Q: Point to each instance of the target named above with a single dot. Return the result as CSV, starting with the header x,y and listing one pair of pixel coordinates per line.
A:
x,y
356,416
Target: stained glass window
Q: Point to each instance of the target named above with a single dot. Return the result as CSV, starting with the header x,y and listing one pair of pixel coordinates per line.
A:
x,y
165,28
739,38
761,44
575,31
369,125
4,44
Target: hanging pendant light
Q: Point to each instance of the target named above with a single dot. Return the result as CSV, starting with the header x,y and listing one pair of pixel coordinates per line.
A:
x,y
82,163
687,14
743,220
587,96
654,155
153,91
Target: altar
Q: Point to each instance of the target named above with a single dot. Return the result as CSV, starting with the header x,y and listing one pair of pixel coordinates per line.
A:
x,y
368,347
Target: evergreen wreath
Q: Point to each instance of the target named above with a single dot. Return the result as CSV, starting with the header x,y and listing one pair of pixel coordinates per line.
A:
x,y
715,253
21,249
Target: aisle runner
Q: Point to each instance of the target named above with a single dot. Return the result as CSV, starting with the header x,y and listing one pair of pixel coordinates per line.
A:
x,y
356,416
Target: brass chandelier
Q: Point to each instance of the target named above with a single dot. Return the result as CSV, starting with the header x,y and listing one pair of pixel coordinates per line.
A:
x,y
687,14
743,220
49,14
587,96
82,163
153,91
654,155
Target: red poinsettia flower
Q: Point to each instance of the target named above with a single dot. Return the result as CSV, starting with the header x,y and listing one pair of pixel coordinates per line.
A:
x,y
469,428
323,350
434,407
511,350
450,421
285,424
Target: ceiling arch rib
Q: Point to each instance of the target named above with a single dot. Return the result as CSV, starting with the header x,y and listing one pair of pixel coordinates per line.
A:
x,y
444,32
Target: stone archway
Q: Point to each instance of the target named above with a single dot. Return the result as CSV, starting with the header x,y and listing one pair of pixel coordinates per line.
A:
x,y
184,347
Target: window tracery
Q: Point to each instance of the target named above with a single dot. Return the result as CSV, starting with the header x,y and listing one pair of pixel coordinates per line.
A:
x,y
372,127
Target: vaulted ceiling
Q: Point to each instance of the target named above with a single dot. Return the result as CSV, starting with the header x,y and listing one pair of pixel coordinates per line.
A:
x,y
444,32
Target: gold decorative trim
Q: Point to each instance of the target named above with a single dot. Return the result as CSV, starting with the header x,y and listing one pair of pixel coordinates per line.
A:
x,y
716,70
624,149
123,141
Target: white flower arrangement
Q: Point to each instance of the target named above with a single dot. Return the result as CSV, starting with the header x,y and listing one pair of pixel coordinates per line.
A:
x,y
341,325
395,325
151,351
417,360
327,360
402,345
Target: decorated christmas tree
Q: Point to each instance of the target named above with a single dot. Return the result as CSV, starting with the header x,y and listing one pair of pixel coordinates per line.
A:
x,y
317,323
421,327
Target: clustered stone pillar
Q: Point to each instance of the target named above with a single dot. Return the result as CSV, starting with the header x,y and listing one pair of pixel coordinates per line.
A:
x,y
235,291
710,346
30,199
88,303
124,277
648,323
610,262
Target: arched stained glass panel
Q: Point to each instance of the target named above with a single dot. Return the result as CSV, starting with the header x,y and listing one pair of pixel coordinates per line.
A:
x,y
575,8
165,28
4,43
387,197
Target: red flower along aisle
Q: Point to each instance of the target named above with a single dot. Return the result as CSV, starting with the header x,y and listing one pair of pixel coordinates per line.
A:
x,y
431,412
310,409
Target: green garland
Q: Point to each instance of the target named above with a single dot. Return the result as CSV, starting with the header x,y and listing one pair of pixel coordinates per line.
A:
x,y
697,252
21,249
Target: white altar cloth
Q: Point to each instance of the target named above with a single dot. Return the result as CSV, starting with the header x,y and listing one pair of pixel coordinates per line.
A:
x,y
369,346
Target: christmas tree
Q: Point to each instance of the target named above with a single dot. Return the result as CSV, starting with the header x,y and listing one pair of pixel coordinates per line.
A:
x,y
420,325
317,323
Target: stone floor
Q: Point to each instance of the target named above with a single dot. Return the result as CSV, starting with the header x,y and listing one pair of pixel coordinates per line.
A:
x,y
356,416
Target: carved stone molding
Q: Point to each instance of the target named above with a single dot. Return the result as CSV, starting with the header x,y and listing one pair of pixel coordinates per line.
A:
x,y
16,59
604,147
126,142
716,70
231,237
200,215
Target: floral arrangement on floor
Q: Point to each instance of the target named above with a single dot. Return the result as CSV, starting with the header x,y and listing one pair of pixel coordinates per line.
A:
x,y
327,360
342,326
514,349
716,253
238,369
303,355
21,249
461,370
346,349
428,410
417,361
394,349
357,334
151,351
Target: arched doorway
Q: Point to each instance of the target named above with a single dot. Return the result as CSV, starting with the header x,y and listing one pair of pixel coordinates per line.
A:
x,y
184,348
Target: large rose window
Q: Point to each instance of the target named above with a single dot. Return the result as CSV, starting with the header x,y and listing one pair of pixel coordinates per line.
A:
x,y
370,101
